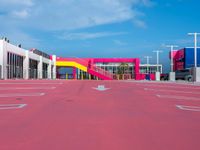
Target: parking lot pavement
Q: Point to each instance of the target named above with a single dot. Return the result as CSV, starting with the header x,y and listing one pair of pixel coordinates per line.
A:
x,y
100,115
186,94
165,82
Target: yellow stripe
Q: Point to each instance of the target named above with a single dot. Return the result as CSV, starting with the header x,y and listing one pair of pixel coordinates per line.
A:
x,y
71,64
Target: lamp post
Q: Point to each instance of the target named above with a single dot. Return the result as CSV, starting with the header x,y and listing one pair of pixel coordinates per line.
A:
x,y
195,47
171,52
196,69
172,75
157,60
147,57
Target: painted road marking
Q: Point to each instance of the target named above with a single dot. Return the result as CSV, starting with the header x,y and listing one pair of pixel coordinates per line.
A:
x,y
148,89
27,88
166,82
29,83
101,88
189,108
177,87
178,97
21,94
12,106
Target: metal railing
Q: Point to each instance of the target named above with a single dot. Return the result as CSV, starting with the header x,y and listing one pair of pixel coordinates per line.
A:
x,y
93,67
102,71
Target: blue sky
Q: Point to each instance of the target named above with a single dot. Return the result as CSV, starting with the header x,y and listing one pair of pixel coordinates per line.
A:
x,y
106,28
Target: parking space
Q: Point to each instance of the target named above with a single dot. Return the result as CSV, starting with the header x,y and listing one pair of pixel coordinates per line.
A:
x,y
18,96
181,95
100,115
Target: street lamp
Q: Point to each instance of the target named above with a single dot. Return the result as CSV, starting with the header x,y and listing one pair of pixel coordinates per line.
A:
x,y
171,52
147,57
195,47
157,54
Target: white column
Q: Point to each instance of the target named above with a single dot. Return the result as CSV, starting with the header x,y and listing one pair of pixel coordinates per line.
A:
x,y
49,69
196,74
1,60
54,66
40,68
157,76
172,76
26,65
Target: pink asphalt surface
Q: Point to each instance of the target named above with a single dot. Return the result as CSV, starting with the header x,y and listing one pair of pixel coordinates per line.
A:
x,y
74,116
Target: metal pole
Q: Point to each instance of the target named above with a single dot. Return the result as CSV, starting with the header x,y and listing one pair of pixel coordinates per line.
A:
x,y
195,47
171,52
195,50
147,57
157,54
172,61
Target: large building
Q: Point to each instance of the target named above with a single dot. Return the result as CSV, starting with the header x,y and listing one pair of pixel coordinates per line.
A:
x,y
104,68
99,68
19,63
184,58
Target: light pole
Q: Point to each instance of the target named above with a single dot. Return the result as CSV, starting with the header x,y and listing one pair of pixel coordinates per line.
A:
x,y
196,69
171,52
147,57
157,54
195,47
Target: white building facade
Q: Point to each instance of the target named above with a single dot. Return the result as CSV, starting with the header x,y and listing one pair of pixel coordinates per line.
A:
x,y
150,68
18,63
144,68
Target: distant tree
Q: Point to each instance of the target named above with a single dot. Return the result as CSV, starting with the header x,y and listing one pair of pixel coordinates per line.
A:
x,y
122,69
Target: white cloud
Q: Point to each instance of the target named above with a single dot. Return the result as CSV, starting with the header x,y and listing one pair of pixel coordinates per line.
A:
x,y
148,3
18,37
119,42
140,23
16,2
20,14
80,14
71,14
67,16
86,35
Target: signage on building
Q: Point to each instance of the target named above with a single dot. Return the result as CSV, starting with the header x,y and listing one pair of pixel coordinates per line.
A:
x,y
40,53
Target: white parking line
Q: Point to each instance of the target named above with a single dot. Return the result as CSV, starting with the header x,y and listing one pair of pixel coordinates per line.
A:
x,y
178,97
28,83
174,91
189,108
12,106
164,82
21,94
27,88
176,87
